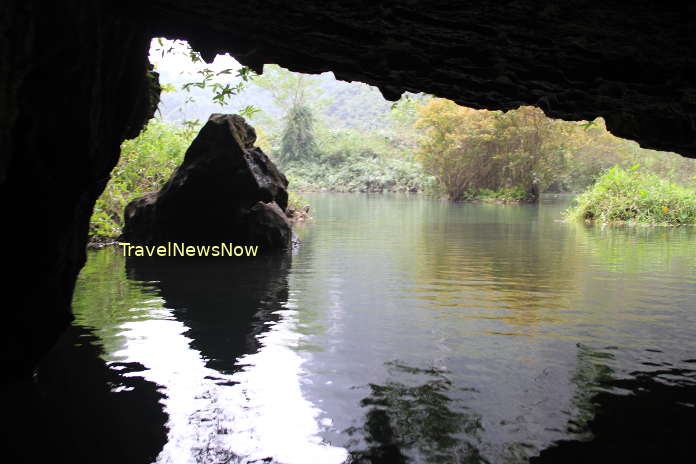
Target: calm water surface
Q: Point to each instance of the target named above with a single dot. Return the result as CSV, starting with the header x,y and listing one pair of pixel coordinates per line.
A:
x,y
404,329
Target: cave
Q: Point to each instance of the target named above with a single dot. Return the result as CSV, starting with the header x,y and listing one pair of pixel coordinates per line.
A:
x,y
76,82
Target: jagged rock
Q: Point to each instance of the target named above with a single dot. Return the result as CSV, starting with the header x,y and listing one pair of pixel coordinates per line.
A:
x,y
226,190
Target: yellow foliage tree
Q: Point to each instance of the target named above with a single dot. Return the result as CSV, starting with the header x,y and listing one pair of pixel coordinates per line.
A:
x,y
468,150
454,148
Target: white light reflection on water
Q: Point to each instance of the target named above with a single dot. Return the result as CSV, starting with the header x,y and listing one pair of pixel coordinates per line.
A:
x,y
257,413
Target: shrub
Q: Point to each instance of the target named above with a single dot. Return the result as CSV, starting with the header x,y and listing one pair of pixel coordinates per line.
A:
x,y
635,197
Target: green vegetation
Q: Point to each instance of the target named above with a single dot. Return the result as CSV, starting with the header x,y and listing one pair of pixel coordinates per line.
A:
x,y
204,77
292,92
298,142
468,150
504,194
296,201
145,165
635,197
347,161
328,143
515,156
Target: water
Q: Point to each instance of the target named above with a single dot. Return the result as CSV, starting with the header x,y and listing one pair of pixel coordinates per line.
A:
x,y
404,329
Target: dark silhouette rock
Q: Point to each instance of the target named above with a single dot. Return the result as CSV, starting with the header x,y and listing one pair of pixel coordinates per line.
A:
x,y
226,190
267,223
57,156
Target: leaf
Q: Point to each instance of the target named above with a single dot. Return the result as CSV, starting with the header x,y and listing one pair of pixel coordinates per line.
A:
x,y
249,111
246,73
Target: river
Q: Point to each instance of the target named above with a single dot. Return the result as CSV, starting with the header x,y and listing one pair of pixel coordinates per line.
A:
x,y
403,329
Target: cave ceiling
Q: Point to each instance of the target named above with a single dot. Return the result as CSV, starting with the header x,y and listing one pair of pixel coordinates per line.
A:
x,y
631,63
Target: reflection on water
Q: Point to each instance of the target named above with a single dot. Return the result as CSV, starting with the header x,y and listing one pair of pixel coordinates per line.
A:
x,y
647,417
417,421
223,353
518,338
504,299
217,338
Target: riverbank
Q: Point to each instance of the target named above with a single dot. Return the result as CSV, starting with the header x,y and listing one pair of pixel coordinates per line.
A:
x,y
499,197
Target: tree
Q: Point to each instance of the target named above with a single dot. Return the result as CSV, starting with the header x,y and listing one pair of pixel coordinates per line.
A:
x,y
455,146
298,140
532,148
468,150
292,93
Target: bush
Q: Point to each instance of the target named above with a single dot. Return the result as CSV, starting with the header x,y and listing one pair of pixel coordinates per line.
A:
x,y
146,163
635,197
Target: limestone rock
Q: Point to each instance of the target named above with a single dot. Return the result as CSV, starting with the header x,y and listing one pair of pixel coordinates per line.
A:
x,y
226,190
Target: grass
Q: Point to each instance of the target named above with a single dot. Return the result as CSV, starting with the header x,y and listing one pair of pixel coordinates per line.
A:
x,y
635,197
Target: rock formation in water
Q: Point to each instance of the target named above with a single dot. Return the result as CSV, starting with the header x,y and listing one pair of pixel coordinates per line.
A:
x,y
226,190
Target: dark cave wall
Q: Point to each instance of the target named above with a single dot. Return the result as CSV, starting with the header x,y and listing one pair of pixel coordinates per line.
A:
x,y
73,86
73,82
